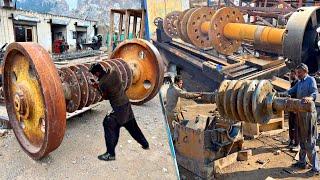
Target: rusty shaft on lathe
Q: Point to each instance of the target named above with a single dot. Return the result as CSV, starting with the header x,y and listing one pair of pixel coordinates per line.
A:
x,y
253,101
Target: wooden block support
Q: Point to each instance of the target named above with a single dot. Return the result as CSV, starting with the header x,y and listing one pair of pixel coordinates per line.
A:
x,y
221,163
244,155
253,130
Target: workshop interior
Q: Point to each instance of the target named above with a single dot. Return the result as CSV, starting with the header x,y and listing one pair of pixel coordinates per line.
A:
x,y
220,89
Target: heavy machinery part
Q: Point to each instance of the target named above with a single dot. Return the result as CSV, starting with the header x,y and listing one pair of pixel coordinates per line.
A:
x,y
227,100
222,17
147,68
88,76
198,26
183,25
179,25
256,101
233,99
301,36
247,100
71,89
84,87
34,98
220,96
37,98
170,24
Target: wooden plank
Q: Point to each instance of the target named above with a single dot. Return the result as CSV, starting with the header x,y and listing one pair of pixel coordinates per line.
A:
x,y
135,20
221,163
127,24
111,32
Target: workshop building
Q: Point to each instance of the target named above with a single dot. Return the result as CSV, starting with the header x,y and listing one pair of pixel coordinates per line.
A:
x,y
44,28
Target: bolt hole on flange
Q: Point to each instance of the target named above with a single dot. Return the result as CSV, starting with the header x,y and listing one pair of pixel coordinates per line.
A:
x,y
147,84
14,76
142,55
31,72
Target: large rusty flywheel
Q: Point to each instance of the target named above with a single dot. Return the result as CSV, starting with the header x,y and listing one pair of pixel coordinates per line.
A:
x,y
38,94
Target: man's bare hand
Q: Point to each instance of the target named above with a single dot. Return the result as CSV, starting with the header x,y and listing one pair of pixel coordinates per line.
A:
x,y
306,100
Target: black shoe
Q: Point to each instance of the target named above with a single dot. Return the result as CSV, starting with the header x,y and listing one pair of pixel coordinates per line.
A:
x,y
313,173
107,157
145,146
300,165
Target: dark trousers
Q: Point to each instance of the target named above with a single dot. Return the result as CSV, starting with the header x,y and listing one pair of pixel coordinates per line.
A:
x,y
112,127
293,128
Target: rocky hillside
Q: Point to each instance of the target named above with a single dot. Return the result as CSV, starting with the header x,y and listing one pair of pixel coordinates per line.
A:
x,y
86,9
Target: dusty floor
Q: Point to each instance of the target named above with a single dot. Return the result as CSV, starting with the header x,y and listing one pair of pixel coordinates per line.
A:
x,y
264,148
76,158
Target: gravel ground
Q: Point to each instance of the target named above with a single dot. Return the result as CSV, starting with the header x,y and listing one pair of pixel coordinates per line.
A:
x,y
76,158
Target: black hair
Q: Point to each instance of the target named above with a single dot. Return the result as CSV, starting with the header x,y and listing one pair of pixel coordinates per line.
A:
x,y
293,71
177,79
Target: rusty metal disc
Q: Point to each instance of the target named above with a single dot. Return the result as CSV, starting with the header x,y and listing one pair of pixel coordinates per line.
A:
x,y
220,18
260,111
147,68
247,101
84,87
170,23
197,37
220,96
34,98
233,101
227,99
122,71
98,96
71,85
88,76
240,95
179,30
183,25
129,72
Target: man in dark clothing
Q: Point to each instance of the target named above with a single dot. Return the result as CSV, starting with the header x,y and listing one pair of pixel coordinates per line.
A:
x,y
293,129
122,115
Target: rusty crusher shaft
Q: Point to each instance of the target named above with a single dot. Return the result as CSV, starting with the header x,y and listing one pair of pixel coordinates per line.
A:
x,y
254,101
38,94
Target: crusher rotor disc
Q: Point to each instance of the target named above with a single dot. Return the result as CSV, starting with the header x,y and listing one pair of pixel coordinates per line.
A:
x,y
227,99
73,94
88,76
233,99
170,23
261,113
34,98
83,86
179,30
220,96
247,100
194,27
183,25
240,95
147,68
220,18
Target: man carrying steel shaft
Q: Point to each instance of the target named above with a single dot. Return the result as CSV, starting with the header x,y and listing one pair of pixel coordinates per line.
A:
x,y
122,115
306,89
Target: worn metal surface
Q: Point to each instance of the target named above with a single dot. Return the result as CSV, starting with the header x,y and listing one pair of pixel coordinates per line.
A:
x,y
147,68
71,86
300,38
170,23
37,98
219,20
34,99
254,101
197,36
183,25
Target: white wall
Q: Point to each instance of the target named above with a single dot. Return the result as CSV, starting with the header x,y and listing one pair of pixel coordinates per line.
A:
x,y
43,28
